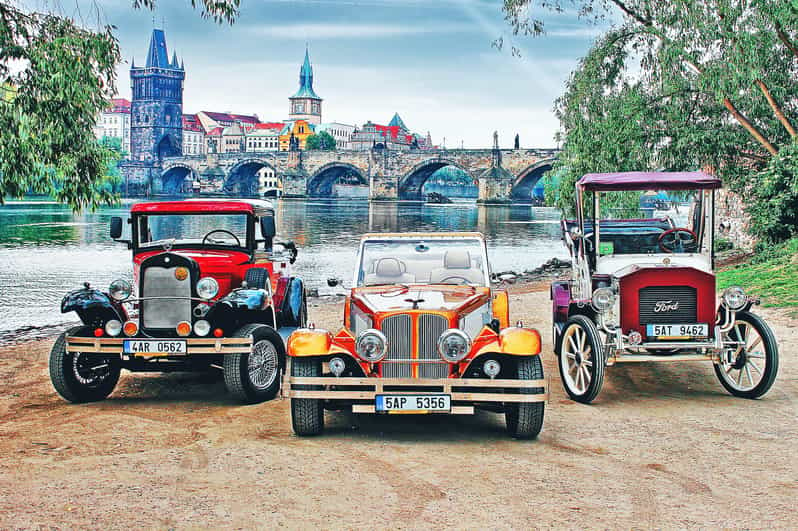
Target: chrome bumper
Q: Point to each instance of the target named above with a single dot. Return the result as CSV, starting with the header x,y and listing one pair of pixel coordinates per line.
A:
x,y
709,350
473,390
194,345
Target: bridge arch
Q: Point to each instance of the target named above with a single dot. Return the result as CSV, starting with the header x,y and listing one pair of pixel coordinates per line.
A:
x,y
177,179
320,184
526,180
412,183
243,180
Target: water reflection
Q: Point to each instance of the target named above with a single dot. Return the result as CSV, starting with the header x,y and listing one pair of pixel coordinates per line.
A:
x,y
46,250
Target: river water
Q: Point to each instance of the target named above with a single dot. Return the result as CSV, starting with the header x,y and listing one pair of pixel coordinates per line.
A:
x,y
46,250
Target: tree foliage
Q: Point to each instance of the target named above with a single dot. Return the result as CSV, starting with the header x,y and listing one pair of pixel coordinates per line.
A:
x,y
56,77
681,85
320,141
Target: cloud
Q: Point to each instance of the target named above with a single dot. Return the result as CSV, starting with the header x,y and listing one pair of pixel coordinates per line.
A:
x,y
353,31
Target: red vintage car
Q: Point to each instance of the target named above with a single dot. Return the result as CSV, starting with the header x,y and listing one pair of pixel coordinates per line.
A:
x,y
423,333
212,291
643,286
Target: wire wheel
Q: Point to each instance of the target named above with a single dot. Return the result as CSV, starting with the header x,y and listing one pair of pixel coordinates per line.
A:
x,y
751,369
581,359
263,364
90,371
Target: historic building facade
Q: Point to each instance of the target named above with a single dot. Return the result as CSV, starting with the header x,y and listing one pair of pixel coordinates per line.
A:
x,y
114,122
305,104
156,124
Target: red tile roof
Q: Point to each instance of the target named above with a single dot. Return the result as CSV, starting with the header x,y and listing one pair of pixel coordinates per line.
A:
x,y
216,131
119,105
392,130
226,117
270,125
191,123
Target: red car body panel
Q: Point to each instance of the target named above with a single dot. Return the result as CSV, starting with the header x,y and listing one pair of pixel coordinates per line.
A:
x,y
630,285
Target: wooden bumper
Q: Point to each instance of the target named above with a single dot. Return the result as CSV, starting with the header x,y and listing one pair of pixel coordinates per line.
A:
x,y
194,345
460,389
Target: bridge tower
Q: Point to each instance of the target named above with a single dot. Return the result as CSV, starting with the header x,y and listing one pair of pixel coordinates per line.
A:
x,y
305,104
156,126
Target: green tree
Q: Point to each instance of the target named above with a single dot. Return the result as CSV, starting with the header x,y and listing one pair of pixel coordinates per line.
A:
x,y
320,141
681,85
56,77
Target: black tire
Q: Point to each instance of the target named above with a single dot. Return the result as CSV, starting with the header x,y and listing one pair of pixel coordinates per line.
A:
x,y
250,384
257,278
525,420
771,358
67,367
307,414
579,324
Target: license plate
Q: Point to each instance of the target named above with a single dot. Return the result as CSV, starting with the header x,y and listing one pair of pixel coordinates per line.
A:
x,y
413,403
677,331
153,347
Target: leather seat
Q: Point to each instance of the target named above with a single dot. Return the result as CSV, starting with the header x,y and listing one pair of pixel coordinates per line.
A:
x,y
456,266
389,271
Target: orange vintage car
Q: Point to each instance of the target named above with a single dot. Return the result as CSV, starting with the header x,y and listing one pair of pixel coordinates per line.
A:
x,y
423,333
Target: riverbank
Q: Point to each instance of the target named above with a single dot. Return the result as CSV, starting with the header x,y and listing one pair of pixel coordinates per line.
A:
x,y
662,443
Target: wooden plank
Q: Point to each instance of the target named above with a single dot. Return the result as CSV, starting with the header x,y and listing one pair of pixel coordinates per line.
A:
x,y
381,383
497,397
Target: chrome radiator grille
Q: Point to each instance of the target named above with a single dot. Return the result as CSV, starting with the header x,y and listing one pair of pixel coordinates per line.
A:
x,y
398,330
430,328
668,305
165,312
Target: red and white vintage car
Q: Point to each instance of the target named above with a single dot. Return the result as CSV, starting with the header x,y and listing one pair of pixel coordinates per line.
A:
x,y
423,333
643,286
212,291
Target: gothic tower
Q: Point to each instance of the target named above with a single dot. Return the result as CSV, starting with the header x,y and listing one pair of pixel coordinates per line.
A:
x,y
156,113
305,104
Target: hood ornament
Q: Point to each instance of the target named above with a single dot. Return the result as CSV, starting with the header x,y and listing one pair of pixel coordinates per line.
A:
x,y
167,244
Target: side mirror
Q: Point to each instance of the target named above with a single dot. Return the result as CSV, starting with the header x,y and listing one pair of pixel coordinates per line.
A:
x,y
116,228
267,227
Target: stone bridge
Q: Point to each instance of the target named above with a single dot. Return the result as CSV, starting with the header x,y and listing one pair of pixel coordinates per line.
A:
x,y
500,175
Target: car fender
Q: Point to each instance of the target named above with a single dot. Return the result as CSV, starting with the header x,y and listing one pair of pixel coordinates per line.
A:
x,y
247,299
514,341
92,306
309,342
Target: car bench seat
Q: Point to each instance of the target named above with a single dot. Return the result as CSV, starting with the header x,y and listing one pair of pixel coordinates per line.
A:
x,y
389,271
456,264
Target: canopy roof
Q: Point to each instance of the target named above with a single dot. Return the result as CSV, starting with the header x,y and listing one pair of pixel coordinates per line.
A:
x,y
645,180
205,206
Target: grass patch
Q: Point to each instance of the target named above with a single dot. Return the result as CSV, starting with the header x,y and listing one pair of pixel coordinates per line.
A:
x,y
771,275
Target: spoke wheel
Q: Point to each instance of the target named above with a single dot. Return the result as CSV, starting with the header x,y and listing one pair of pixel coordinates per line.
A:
x,y
581,359
263,364
80,377
254,376
754,361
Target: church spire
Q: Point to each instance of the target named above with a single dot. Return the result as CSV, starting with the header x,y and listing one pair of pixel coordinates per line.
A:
x,y
157,57
306,79
175,64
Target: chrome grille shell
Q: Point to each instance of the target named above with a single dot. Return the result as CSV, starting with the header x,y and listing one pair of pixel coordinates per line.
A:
x,y
398,330
166,301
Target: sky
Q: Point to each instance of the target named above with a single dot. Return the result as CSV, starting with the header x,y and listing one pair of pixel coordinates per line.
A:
x,y
429,60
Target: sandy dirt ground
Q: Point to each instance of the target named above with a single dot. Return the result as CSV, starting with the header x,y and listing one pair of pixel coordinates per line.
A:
x,y
663,446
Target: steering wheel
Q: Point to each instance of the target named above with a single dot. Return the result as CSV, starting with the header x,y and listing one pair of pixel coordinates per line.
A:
x,y
205,238
678,240
443,280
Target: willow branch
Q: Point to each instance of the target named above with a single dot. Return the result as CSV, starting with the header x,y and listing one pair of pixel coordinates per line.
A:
x,y
751,128
783,37
776,108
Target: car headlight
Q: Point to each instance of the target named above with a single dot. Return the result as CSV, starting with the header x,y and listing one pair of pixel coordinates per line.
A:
x,y
603,299
371,345
202,327
454,345
120,289
734,297
113,327
207,288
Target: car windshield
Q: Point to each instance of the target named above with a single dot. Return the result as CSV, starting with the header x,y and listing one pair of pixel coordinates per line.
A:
x,y
650,222
433,261
183,229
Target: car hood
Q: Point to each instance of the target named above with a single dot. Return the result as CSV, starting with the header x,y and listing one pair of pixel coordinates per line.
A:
x,y
424,297
204,257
